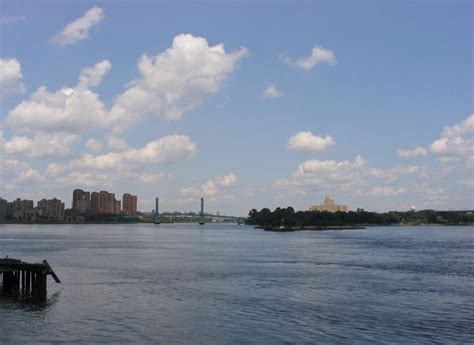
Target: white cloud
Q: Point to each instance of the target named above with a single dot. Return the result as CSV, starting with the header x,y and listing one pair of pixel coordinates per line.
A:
x,y
15,174
210,189
318,55
417,152
93,145
148,178
10,78
92,76
87,179
175,81
74,109
164,150
171,83
54,170
457,140
309,142
226,181
117,144
271,92
433,195
78,30
386,191
10,168
28,177
343,175
18,145
464,127
452,146
102,170
41,145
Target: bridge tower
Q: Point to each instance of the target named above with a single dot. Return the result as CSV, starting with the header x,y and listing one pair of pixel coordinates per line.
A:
x,y
201,215
157,211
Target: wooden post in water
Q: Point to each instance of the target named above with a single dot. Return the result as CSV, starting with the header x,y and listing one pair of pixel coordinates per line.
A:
x,y
28,277
25,278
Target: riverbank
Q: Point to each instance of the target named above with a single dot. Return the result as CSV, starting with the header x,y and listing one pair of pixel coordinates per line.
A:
x,y
348,227
310,228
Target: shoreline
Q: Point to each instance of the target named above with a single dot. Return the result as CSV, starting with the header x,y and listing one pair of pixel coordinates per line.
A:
x,y
310,228
102,223
345,227
263,227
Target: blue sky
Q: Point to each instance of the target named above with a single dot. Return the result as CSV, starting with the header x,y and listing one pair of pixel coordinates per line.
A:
x,y
369,102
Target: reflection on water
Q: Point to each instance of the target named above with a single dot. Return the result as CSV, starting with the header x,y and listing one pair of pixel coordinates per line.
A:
x,y
219,284
26,302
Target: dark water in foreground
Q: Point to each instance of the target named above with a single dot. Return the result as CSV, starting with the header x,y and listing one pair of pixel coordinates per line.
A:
x,y
224,284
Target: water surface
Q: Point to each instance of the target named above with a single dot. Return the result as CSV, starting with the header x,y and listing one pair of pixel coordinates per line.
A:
x,y
228,284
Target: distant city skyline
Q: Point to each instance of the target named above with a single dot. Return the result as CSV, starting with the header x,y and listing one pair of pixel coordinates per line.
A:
x,y
246,105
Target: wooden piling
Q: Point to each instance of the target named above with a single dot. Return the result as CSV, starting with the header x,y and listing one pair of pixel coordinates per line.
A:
x,y
25,278
28,277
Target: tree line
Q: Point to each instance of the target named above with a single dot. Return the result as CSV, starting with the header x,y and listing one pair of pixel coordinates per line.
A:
x,y
289,218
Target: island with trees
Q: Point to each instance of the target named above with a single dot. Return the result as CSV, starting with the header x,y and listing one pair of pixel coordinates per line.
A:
x,y
287,219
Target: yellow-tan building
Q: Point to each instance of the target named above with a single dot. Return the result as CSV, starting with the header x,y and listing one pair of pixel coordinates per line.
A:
x,y
328,206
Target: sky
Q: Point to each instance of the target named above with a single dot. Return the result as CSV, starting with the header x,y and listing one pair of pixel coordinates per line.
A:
x,y
247,104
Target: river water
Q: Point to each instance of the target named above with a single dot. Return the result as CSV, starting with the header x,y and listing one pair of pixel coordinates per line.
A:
x,y
229,284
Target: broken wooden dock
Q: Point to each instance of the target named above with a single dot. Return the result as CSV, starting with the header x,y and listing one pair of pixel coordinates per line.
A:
x,y
28,279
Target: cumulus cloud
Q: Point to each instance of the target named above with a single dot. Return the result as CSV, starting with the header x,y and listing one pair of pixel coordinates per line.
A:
x,y
93,145
87,179
41,145
210,189
92,76
318,55
417,152
164,150
54,170
226,181
11,167
306,141
29,176
14,173
18,145
271,92
117,144
386,191
343,175
74,109
78,30
464,127
171,83
175,80
433,195
10,78
457,140
108,169
148,178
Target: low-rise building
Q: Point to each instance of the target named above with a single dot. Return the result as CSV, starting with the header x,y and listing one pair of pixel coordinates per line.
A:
x,y
328,206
